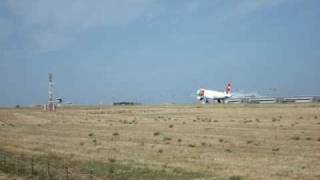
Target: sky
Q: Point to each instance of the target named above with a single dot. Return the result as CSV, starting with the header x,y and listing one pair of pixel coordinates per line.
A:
x,y
156,51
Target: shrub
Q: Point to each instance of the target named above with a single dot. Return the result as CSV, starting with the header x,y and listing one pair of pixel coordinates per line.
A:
x,y
228,150
171,126
296,138
160,151
90,134
167,138
235,178
180,140
115,134
156,133
275,149
191,145
112,160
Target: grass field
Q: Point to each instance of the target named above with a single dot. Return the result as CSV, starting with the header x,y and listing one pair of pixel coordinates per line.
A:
x,y
172,142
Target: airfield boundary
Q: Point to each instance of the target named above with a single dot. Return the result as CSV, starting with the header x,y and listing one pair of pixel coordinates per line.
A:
x,y
247,141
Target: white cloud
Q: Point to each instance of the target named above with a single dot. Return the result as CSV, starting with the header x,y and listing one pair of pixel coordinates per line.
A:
x,y
248,7
45,25
49,25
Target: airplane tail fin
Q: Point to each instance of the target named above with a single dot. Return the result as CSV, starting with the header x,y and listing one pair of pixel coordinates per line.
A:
x,y
228,88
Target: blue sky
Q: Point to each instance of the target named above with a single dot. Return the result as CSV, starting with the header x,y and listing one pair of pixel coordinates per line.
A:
x,y
156,51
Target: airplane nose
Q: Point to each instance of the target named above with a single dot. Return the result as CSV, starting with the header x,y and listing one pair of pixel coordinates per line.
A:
x,y
198,92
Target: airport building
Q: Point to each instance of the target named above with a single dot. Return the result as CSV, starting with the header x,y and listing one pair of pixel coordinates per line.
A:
x,y
270,100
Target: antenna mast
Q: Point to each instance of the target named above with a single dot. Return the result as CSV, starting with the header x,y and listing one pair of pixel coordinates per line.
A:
x,y
51,102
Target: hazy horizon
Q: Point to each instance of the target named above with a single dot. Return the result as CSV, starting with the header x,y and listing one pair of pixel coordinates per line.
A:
x,y
153,51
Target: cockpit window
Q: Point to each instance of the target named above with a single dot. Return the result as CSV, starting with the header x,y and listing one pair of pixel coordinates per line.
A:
x,y
201,92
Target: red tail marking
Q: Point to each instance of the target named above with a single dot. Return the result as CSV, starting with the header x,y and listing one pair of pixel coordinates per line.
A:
x,y
228,88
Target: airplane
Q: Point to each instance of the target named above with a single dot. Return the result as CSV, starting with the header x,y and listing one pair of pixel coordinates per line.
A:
x,y
204,95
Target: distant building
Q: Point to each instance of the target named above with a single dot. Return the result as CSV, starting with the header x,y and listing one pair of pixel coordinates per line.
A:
x,y
125,103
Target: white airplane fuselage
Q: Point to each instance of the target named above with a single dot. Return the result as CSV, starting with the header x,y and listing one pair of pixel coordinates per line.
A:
x,y
215,95
205,95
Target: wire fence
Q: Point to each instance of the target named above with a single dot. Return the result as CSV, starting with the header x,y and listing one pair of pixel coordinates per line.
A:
x,y
31,167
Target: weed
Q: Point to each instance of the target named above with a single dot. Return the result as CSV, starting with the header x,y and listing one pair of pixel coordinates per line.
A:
x,y
81,143
156,133
90,134
275,119
275,149
171,126
235,178
191,145
249,142
295,138
228,150
112,160
203,144
308,138
115,134
179,140
167,138
160,151
221,140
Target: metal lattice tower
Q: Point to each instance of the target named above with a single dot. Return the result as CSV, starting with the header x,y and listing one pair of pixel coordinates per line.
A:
x,y
50,94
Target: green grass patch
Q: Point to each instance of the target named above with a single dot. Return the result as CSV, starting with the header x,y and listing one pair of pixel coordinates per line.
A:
x,y
133,172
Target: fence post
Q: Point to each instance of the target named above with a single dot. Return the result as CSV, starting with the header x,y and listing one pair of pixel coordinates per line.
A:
x,y
48,170
4,163
17,166
22,166
1,163
91,174
67,173
32,166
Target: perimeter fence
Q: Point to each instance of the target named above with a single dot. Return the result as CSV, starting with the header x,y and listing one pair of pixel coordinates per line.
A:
x,y
44,168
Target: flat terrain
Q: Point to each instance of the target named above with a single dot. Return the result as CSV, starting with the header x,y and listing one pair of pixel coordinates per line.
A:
x,y
186,142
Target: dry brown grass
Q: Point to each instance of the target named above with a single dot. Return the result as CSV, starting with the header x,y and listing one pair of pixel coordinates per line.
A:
x,y
254,142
